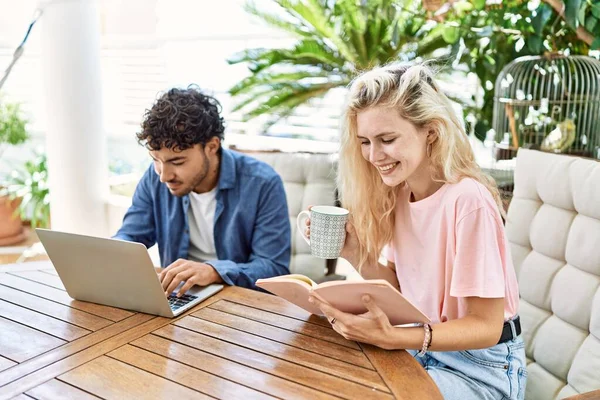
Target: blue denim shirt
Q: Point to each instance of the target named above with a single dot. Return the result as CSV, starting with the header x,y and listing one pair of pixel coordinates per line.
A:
x,y
251,228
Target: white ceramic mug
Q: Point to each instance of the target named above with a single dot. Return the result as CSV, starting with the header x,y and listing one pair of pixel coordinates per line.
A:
x,y
327,230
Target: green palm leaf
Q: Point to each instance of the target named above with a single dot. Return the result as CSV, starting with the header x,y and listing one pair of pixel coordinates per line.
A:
x,y
317,15
336,39
304,53
291,97
267,79
253,97
292,27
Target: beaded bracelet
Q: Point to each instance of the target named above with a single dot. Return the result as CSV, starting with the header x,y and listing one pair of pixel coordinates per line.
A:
x,y
426,340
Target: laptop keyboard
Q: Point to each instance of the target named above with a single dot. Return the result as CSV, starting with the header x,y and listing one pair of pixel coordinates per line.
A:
x,y
177,302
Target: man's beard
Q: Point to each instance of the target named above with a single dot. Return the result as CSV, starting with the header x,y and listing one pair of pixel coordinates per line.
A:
x,y
201,176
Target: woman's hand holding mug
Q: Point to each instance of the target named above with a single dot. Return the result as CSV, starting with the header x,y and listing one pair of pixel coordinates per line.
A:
x,y
348,246
350,250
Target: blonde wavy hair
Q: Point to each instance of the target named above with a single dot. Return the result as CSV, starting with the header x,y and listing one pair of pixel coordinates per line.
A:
x,y
413,92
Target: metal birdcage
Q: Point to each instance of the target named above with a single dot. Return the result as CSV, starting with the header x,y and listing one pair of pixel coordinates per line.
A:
x,y
550,103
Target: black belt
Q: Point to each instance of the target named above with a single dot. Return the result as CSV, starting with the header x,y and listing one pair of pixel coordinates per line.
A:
x,y
507,333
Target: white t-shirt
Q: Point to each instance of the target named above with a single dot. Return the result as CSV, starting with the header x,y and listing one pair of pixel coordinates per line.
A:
x,y
201,218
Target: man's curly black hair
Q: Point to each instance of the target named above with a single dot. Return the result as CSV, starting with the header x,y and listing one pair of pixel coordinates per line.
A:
x,y
180,119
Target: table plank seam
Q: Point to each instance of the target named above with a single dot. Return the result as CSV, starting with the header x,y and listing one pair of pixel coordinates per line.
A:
x,y
227,360
385,381
4,358
51,316
252,367
27,266
46,316
80,353
263,337
273,312
47,271
41,297
199,369
105,356
44,332
73,386
371,350
311,340
33,280
278,341
9,359
283,359
25,395
276,326
166,321
33,329
163,377
58,302
75,343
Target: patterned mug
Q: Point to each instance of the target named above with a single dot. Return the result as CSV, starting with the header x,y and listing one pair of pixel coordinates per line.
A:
x,y
327,230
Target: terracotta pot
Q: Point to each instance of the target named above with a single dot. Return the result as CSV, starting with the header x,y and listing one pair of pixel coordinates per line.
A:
x,y
11,226
433,5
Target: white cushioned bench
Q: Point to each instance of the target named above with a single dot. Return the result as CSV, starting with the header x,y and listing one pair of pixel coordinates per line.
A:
x,y
553,226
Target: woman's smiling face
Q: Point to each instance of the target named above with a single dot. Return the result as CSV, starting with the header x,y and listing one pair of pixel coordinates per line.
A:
x,y
392,144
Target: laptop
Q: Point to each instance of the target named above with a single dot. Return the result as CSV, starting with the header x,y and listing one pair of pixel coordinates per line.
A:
x,y
115,273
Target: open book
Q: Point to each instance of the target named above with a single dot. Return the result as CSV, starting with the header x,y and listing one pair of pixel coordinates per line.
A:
x,y
346,296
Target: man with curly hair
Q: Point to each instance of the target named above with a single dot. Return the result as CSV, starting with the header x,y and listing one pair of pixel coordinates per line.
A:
x,y
217,215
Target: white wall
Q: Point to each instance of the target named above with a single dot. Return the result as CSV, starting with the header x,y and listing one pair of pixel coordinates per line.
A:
x,y
147,47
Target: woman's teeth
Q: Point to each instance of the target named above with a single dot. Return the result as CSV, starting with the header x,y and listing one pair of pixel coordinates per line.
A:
x,y
387,167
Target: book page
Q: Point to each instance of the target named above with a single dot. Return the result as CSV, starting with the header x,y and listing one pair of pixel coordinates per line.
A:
x,y
293,288
302,278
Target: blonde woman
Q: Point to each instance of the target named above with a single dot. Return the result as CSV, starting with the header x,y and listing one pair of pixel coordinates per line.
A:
x,y
408,176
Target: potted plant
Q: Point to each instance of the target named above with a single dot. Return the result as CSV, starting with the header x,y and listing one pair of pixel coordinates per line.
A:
x,y
12,132
30,184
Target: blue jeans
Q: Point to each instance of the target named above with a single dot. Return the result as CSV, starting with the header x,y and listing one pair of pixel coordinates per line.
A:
x,y
498,372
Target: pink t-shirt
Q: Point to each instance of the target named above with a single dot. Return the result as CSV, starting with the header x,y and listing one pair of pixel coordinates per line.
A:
x,y
452,245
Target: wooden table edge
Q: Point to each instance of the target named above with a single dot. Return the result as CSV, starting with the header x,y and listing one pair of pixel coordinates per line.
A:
x,y
402,374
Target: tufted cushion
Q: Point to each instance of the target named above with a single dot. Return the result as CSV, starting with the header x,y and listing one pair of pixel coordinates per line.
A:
x,y
309,179
553,226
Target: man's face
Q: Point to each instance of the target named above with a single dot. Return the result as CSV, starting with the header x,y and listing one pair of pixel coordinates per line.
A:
x,y
182,171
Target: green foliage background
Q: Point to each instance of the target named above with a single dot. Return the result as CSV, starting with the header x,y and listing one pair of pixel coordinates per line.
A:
x,y
333,40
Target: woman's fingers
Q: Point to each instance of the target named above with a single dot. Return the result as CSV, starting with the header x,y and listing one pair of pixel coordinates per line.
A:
x,y
349,228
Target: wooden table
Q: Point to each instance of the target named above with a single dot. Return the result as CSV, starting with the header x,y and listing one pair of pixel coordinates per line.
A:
x,y
236,344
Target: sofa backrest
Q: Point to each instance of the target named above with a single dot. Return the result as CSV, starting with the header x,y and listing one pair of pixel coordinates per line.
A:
x,y
309,179
553,226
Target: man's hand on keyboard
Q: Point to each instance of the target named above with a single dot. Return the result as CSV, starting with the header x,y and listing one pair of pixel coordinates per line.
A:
x,y
192,272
